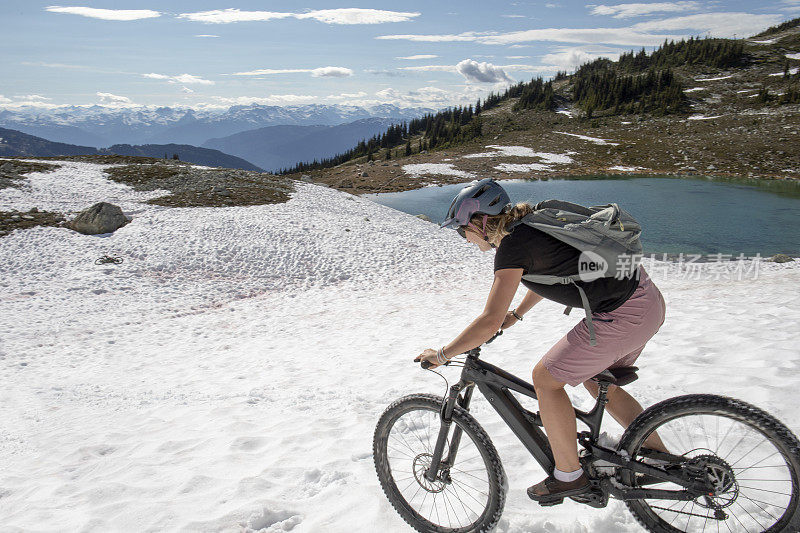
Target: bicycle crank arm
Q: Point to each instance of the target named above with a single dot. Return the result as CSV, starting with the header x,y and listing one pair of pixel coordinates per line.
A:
x,y
623,493
605,454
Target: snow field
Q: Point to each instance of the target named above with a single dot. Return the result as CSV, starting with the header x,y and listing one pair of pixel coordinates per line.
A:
x,y
623,168
702,117
595,140
444,169
230,375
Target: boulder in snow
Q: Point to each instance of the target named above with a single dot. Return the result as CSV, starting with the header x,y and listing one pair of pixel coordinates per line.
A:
x,y
780,258
102,217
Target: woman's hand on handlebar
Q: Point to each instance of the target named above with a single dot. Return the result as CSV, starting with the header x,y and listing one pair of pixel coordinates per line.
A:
x,y
509,321
427,358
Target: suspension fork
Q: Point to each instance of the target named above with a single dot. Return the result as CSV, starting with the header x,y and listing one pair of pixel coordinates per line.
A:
x,y
446,417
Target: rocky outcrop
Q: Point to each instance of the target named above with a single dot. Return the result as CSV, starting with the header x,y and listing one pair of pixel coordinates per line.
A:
x,y
780,258
102,217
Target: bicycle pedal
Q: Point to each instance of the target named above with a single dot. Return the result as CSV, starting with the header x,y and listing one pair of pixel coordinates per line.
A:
x,y
595,498
550,503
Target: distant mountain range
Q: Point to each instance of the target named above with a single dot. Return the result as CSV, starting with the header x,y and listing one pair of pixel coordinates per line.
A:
x,y
16,143
276,147
103,126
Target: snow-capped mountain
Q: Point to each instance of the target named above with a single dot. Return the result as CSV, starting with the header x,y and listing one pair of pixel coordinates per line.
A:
x,y
103,126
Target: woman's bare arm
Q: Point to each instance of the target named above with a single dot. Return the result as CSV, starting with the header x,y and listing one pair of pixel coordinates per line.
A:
x,y
482,328
528,301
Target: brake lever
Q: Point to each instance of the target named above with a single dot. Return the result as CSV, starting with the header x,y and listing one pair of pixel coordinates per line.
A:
x,y
499,332
426,364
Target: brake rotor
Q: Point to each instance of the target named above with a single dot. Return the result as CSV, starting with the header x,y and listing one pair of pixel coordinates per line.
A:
x,y
421,464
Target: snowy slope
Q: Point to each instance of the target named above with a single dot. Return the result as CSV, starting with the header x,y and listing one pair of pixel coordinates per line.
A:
x,y
229,374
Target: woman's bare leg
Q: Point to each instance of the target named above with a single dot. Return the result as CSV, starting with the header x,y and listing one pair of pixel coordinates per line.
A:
x,y
624,408
558,417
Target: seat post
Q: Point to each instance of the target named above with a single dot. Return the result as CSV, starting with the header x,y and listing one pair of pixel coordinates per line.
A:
x,y
596,415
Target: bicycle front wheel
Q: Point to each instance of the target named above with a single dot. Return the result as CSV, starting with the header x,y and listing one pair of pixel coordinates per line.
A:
x,y
466,496
751,460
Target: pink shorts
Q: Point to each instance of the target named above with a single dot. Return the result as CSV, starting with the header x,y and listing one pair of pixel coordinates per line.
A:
x,y
621,336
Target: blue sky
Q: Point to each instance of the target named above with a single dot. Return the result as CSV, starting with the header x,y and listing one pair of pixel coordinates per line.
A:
x,y
213,54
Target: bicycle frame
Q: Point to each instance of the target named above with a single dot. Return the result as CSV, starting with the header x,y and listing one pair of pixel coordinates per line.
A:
x,y
495,384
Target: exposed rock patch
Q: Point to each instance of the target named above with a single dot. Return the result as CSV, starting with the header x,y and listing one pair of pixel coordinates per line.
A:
x,y
198,187
11,220
12,171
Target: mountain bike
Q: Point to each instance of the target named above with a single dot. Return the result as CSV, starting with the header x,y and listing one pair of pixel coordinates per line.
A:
x,y
731,467
105,259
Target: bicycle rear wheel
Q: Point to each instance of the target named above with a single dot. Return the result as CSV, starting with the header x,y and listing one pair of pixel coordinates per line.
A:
x,y
466,496
751,459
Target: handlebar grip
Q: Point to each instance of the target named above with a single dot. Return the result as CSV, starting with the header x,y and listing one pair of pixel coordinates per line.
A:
x,y
425,365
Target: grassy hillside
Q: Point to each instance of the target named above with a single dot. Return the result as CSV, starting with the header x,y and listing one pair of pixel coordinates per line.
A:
x,y
717,107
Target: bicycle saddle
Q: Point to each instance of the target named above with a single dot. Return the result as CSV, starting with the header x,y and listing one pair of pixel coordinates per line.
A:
x,y
618,376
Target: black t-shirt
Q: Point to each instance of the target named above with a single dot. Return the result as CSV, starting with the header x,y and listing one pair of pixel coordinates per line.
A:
x,y
536,252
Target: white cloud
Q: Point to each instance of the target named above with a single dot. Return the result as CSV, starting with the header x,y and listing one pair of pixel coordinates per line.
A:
x,y
384,72
207,35
514,16
517,57
567,58
108,98
182,78
33,98
530,68
321,72
482,72
431,68
268,71
187,90
620,36
357,16
106,14
359,94
272,99
327,16
720,24
420,56
717,24
226,16
331,72
4,100
465,37
634,10
53,65
427,96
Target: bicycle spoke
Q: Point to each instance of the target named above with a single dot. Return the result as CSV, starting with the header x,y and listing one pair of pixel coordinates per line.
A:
x,y
470,475
749,452
748,514
761,461
462,485
466,507
770,514
737,444
764,490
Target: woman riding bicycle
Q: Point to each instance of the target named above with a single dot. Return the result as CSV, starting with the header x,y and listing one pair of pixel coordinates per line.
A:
x,y
626,313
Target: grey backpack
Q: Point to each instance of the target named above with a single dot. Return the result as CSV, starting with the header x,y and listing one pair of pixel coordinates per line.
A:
x,y
607,236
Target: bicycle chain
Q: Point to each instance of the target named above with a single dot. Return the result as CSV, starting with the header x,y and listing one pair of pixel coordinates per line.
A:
x,y
687,513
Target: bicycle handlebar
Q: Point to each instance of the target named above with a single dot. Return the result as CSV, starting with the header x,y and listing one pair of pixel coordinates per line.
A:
x,y
426,365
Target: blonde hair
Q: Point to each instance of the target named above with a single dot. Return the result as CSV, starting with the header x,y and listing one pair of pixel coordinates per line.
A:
x,y
496,225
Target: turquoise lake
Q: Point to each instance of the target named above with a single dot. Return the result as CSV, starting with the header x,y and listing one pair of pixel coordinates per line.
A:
x,y
678,215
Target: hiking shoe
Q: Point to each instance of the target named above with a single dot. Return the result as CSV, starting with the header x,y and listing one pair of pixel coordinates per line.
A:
x,y
551,489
